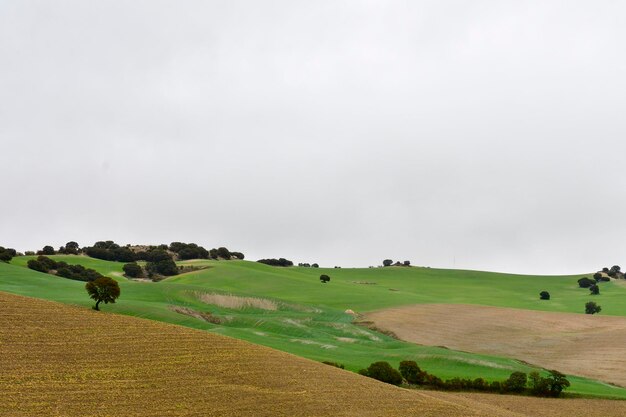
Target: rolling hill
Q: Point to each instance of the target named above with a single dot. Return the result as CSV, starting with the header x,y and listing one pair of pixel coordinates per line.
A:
x,y
308,318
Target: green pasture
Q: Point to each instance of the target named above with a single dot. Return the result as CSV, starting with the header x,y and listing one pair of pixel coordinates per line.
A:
x,y
310,320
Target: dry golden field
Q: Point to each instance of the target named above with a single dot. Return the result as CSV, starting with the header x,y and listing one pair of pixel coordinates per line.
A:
x,y
578,344
59,360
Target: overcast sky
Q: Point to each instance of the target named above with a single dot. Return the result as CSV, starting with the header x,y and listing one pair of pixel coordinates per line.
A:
x,y
471,134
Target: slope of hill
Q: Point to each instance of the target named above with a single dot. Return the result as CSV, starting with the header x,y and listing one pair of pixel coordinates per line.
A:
x,y
67,361
309,319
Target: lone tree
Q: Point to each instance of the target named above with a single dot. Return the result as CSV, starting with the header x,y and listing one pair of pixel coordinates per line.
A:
x,y
324,278
544,295
387,262
594,289
592,308
103,289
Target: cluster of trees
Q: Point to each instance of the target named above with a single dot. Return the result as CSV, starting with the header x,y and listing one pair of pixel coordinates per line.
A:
x,y
307,265
63,269
517,383
276,262
111,251
614,272
389,262
6,254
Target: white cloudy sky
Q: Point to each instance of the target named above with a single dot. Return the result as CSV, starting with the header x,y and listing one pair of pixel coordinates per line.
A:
x,y
469,134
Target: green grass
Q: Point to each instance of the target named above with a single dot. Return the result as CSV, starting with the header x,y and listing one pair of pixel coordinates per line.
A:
x,y
327,333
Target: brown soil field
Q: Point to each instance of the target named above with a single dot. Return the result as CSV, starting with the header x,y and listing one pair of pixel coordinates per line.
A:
x,y
588,345
60,360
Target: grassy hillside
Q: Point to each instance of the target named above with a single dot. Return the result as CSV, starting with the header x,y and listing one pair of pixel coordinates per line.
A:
x,y
309,319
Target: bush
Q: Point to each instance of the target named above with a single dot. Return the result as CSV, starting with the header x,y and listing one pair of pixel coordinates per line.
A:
x,y
36,265
383,372
238,255
544,295
335,364
411,372
324,278
592,308
387,262
585,282
223,253
594,289
132,270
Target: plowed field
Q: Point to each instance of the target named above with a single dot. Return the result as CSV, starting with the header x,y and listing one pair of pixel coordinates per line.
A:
x,y
578,344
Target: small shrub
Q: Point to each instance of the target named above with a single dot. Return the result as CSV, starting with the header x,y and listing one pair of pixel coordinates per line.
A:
x,y
544,295
335,364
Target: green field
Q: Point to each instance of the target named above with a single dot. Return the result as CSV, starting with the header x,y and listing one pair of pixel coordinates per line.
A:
x,y
310,320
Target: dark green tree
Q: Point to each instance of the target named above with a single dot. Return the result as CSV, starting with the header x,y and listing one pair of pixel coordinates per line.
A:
x,y
592,308
411,372
103,289
383,371
387,262
557,382
516,382
544,295
132,270
324,278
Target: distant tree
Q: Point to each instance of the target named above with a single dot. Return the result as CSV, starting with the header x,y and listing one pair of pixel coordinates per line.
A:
x,y
276,262
586,282
544,295
223,253
166,267
238,255
315,266
36,265
605,270
411,372
615,268
407,263
383,371
213,253
597,276
132,270
594,289
6,254
516,382
592,308
538,385
103,289
29,253
387,262
324,278
47,250
557,382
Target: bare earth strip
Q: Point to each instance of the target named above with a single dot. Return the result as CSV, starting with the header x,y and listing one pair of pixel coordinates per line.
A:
x,y
59,360
578,344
